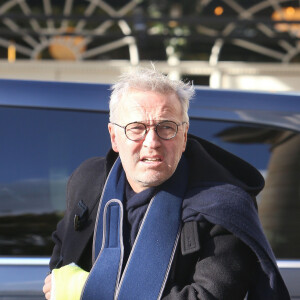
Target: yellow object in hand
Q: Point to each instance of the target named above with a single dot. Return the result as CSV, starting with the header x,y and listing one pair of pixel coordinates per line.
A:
x,y
68,282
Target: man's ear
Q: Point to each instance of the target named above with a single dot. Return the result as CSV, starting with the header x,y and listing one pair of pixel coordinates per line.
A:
x,y
111,130
185,136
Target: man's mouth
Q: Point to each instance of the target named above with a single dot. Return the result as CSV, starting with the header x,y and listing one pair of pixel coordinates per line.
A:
x,y
151,159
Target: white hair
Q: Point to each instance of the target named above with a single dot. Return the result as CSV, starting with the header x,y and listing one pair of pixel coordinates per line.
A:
x,y
146,79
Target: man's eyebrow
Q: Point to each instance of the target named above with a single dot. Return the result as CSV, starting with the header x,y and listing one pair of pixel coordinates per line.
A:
x,y
154,121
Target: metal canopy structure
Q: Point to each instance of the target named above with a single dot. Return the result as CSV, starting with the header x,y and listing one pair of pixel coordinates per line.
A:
x,y
208,30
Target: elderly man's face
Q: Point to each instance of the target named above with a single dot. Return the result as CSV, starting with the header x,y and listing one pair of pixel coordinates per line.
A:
x,y
151,161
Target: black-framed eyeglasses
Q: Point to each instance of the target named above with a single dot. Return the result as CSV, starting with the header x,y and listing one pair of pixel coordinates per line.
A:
x,y
136,131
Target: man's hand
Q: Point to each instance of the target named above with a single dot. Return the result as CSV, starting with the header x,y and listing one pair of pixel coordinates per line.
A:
x,y
65,283
47,287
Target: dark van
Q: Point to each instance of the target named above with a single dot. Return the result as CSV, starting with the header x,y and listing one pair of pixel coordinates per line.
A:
x,y
47,129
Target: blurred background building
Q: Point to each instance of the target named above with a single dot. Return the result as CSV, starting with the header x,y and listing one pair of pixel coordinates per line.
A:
x,y
243,44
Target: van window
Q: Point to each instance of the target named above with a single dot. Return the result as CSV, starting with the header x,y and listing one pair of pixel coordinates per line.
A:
x,y
39,150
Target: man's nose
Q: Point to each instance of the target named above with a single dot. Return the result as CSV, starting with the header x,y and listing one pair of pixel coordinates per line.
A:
x,y
152,140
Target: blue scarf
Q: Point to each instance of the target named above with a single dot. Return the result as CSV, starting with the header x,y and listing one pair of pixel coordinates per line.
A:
x,y
147,268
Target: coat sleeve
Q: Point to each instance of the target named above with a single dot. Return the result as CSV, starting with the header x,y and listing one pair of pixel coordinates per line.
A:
x,y
56,260
223,268
85,185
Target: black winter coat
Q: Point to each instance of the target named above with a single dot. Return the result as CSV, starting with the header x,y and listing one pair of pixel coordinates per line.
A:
x,y
210,262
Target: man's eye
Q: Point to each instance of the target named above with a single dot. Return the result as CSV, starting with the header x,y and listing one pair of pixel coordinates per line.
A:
x,y
167,127
137,128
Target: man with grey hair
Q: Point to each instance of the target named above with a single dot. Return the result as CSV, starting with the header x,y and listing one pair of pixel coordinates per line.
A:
x,y
165,215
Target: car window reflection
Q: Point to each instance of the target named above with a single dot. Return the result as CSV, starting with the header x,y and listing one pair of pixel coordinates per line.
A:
x,y
280,204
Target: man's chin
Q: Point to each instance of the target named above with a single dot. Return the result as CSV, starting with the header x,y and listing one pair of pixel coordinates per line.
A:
x,y
151,181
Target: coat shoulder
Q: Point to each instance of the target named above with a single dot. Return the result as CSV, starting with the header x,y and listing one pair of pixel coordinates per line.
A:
x,y
87,181
89,167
